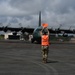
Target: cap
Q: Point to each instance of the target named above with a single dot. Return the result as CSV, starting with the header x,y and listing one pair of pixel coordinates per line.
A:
x,y
45,25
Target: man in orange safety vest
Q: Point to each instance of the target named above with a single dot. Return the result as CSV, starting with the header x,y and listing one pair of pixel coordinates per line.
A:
x,y
45,42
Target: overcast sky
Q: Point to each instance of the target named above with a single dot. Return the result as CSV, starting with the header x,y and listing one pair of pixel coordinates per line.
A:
x,y
54,12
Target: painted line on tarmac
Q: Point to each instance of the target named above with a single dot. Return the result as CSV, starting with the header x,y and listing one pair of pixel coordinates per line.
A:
x,y
39,64
45,66
46,69
54,70
73,65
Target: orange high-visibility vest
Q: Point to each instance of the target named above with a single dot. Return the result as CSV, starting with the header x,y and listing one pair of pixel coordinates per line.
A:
x,y
45,40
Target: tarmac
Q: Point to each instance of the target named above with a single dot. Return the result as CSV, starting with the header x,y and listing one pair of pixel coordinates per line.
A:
x,y
25,58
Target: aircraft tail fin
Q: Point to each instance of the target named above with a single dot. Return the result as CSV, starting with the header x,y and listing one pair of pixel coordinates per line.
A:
x,y
40,18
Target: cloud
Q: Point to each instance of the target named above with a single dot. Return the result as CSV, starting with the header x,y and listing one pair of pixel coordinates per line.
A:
x,y
28,6
54,12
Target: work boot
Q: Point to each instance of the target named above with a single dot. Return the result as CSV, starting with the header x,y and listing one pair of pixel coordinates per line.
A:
x,y
44,60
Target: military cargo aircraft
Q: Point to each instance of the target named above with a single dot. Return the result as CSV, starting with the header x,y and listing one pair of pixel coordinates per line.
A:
x,y
36,32
37,36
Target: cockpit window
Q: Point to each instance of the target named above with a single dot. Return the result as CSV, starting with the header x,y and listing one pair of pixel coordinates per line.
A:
x,y
37,29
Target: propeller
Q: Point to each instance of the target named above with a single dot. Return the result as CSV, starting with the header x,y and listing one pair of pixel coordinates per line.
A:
x,y
5,29
22,28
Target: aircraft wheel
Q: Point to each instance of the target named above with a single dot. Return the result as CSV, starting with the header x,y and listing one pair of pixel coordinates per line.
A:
x,y
32,40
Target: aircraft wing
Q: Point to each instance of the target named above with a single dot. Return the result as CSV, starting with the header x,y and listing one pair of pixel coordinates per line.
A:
x,y
30,30
61,31
5,29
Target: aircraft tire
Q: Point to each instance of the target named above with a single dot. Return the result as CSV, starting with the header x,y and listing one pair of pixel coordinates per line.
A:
x,y
32,40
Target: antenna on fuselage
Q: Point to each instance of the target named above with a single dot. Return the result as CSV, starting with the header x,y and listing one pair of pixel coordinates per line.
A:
x,y
40,18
